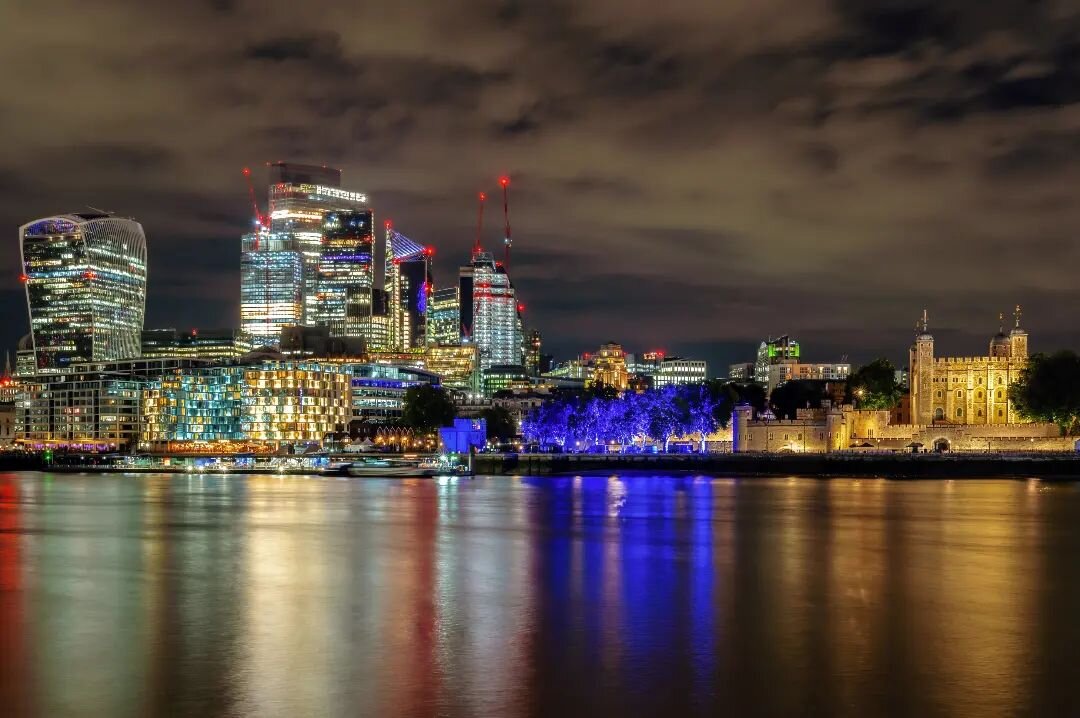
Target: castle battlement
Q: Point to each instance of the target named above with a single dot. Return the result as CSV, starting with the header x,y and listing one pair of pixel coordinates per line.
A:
x,y
971,360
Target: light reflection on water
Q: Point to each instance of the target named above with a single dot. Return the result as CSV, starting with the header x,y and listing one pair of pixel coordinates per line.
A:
x,y
647,595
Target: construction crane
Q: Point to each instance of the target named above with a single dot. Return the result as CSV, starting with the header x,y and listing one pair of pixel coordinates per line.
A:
x,y
263,225
507,241
479,224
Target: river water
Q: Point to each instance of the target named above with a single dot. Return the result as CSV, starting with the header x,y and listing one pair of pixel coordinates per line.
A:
x,y
642,595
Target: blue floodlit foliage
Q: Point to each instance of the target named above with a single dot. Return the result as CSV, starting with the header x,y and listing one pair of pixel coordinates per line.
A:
x,y
599,418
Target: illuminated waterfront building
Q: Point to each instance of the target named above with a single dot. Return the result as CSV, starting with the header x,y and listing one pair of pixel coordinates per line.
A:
x,y
966,390
194,405
345,274
291,402
85,277
495,325
195,344
271,285
93,405
272,404
444,317
609,367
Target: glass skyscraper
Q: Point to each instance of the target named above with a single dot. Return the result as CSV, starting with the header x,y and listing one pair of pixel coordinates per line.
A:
x,y
495,327
444,319
298,211
292,275
85,277
343,297
271,285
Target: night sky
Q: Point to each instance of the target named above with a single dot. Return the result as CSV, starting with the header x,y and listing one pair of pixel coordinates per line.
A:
x,y
691,175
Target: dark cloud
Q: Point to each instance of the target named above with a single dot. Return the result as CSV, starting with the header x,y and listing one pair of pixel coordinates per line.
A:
x,y
694,174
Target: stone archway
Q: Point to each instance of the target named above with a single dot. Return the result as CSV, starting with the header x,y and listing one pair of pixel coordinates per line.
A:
x,y
941,445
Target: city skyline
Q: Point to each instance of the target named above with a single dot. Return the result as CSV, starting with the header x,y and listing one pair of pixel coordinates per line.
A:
x,y
924,164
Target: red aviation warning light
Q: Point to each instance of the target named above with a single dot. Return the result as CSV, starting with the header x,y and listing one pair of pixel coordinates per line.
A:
x,y
23,278
388,224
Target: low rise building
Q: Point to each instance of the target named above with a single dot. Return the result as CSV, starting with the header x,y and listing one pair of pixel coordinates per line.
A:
x,y
93,406
195,344
778,373
677,370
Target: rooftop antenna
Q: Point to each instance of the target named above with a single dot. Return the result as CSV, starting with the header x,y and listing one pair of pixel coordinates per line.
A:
x,y
1017,314
507,241
925,322
1001,322
99,210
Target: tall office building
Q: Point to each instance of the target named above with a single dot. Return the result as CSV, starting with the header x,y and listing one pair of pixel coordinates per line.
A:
x,y
271,285
444,317
299,209
410,286
85,276
287,255
495,329
343,298
533,355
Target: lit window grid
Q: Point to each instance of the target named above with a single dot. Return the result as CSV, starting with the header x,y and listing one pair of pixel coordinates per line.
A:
x,y
85,288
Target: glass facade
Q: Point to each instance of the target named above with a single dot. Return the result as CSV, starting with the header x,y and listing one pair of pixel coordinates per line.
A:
x,y
275,404
378,391
413,294
495,326
85,277
444,317
195,405
457,365
286,403
271,285
195,344
299,211
345,273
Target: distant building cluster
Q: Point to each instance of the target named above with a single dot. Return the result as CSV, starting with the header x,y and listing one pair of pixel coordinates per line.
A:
x,y
340,316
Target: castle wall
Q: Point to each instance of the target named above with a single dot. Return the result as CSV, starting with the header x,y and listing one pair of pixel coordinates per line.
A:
x,y
844,429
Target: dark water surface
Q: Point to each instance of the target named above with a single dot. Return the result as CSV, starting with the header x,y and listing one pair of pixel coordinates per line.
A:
x,y
282,596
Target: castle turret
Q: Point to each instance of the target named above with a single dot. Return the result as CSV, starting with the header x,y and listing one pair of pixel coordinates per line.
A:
x,y
741,416
921,377
1018,339
1000,345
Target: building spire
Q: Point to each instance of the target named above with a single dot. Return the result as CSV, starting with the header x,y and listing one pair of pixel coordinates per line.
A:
x,y
1017,313
925,322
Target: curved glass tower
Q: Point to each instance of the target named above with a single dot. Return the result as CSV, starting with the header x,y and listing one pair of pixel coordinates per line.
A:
x,y
85,277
